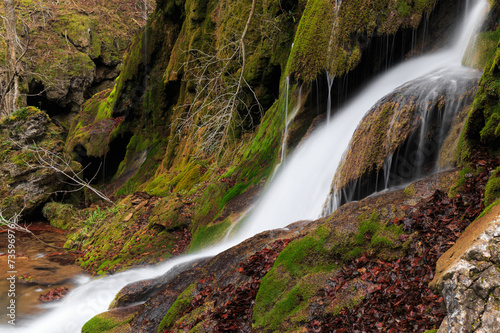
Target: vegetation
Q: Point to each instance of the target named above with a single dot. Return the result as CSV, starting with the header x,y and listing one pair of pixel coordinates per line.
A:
x,y
200,109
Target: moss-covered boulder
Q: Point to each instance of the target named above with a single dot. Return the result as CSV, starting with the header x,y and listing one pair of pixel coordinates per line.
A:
x,y
62,216
30,141
404,132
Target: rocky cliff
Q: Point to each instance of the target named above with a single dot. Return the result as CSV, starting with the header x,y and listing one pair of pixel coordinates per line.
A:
x,y
72,49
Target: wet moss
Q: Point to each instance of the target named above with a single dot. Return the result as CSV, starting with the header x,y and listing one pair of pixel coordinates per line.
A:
x,y
209,235
63,216
492,190
309,55
483,120
174,313
484,48
105,322
328,38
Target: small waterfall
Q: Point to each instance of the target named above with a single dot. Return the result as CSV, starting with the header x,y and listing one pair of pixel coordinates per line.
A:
x,y
329,80
429,106
447,84
285,134
297,192
289,117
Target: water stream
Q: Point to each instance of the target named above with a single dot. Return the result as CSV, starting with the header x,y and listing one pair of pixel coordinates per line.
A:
x,y
298,191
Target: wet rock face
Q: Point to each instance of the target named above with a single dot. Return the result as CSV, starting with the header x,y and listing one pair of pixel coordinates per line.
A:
x,y
468,276
24,182
400,138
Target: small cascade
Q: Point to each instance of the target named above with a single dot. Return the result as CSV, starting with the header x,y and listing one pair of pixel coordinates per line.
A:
x,y
285,134
289,118
416,118
329,80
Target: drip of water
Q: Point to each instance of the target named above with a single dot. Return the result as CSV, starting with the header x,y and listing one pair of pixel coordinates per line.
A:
x,y
297,192
288,120
329,80
285,134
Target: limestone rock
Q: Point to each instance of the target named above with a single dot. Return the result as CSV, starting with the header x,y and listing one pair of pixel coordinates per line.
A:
x,y
404,131
24,182
468,276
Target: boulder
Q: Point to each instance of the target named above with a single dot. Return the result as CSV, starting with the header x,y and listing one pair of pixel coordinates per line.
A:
x,y
26,183
468,277
400,138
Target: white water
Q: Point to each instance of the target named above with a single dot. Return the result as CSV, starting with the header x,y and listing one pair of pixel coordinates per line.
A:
x,y
298,192
329,80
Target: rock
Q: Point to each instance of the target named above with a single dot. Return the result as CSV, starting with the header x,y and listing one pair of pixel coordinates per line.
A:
x,y
220,271
468,277
24,181
72,52
403,133
141,290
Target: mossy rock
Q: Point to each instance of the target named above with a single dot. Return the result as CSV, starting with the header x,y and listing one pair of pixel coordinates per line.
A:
x,y
65,38
63,216
170,213
328,37
110,322
25,182
492,190
483,121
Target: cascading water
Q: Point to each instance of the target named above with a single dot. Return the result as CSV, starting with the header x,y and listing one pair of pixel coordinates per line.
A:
x,y
329,80
428,106
298,192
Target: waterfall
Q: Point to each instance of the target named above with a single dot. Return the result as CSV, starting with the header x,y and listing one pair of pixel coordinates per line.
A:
x,y
297,192
419,115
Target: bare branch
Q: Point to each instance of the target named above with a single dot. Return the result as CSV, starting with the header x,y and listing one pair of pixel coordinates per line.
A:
x,y
61,165
13,223
220,91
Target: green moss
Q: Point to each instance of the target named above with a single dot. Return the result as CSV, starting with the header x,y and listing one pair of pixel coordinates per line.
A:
x,y
232,193
483,120
289,305
208,204
305,255
488,209
209,235
175,311
374,237
63,216
328,38
190,178
309,54
171,213
492,190
484,45
410,190
104,322
461,181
